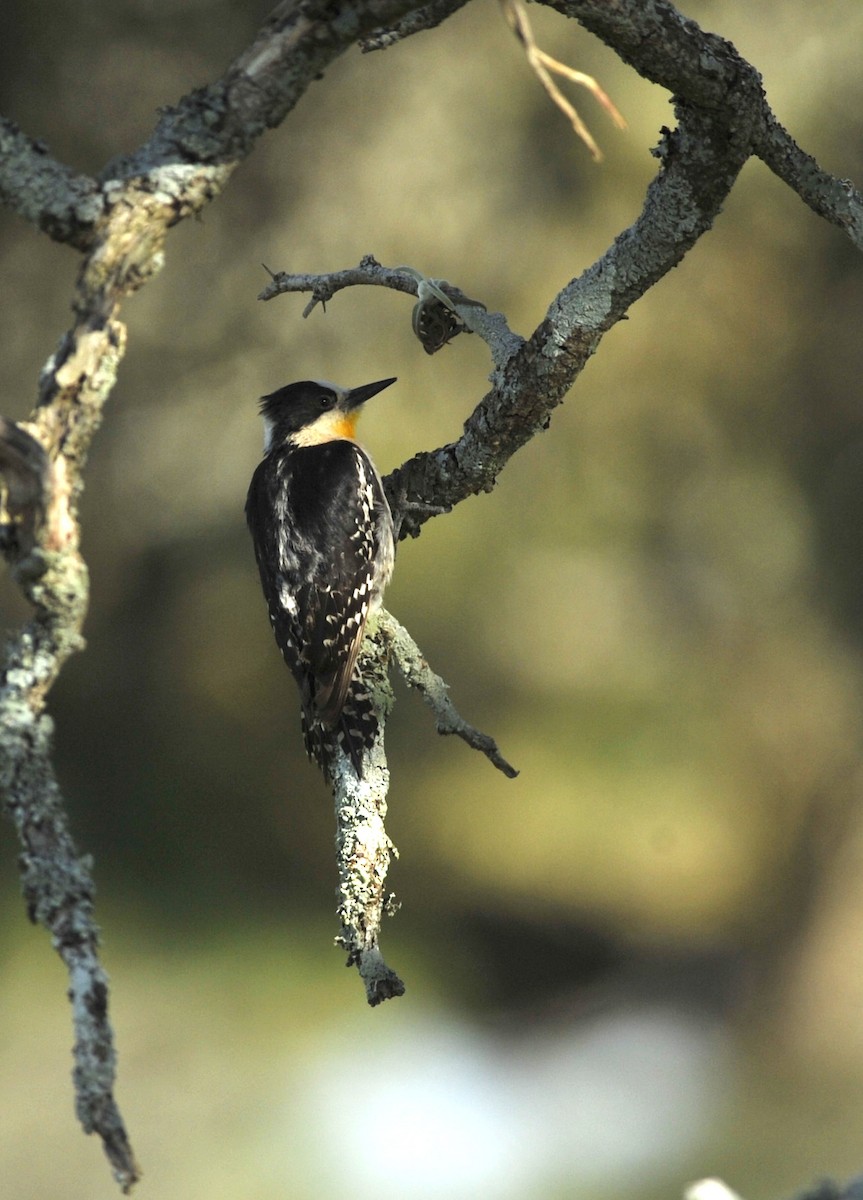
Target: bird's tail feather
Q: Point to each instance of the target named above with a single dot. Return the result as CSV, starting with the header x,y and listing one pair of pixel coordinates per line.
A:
x,y
354,731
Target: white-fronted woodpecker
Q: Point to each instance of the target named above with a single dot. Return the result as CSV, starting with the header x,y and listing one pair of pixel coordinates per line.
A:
x,y
323,536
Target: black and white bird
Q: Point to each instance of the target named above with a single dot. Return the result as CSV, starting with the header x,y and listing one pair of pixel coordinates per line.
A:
x,y
323,536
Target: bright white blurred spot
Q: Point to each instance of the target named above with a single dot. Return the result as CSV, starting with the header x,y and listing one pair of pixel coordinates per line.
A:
x,y
618,1097
425,1109
421,1114
709,1189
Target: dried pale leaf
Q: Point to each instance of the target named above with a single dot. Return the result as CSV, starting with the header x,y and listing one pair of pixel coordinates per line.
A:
x,y
564,105
542,63
586,81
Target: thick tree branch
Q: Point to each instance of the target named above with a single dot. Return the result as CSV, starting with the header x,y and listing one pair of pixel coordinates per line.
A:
x,y
662,45
706,71
41,540
41,190
363,847
56,881
416,21
120,222
197,143
700,162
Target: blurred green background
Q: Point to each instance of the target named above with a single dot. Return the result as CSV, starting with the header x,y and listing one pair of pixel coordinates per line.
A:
x,y
638,963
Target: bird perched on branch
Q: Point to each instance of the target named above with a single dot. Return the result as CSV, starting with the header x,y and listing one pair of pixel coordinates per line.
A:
x,y
323,536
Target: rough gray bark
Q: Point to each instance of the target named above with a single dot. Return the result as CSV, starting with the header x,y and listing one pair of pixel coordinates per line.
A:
x,y
417,674
119,221
363,847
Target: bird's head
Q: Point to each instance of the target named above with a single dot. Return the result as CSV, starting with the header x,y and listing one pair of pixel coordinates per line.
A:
x,y
314,411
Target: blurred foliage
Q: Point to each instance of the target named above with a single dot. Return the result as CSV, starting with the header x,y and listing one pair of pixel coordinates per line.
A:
x,y
657,613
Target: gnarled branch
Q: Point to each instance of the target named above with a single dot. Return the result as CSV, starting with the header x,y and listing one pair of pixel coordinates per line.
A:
x,y
120,220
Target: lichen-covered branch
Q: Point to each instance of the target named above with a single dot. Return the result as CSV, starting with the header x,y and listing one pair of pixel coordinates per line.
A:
x,y
120,221
41,542
428,16
363,847
836,200
39,539
56,881
418,674
474,317
700,162
43,191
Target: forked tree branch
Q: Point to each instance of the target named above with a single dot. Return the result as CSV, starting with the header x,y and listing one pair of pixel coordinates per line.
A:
x,y
120,220
700,162
706,71
363,847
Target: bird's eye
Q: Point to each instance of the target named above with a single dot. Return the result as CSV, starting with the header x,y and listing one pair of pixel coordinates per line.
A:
x,y
326,400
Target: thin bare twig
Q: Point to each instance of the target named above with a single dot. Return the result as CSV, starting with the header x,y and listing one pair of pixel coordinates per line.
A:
x,y
418,674
490,326
542,64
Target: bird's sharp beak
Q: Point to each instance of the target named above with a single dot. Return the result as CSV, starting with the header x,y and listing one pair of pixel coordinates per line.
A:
x,y
357,396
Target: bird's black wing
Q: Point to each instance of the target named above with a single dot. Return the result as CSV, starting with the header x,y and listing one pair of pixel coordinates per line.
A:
x,y
314,524
265,518
335,605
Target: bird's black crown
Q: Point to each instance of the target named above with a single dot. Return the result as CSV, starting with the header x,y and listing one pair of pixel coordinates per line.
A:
x,y
297,405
